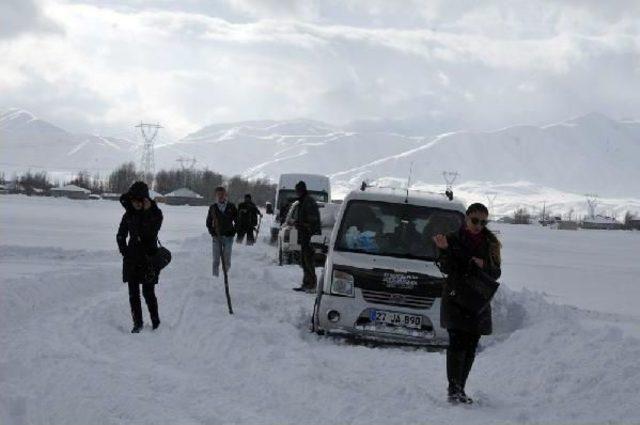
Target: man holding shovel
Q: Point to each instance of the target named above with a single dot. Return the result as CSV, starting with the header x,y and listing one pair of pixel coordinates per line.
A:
x,y
221,223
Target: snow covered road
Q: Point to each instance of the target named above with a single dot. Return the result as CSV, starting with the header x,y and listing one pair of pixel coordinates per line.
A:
x,y
67,355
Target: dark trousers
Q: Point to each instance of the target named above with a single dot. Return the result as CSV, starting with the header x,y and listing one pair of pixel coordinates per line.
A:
x,y
148,291
249,231
460,356
309,280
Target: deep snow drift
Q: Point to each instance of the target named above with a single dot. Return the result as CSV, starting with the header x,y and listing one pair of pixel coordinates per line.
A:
x,y
67,356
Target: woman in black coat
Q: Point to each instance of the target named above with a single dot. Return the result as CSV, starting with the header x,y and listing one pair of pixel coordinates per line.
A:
x,y
140,223
462,253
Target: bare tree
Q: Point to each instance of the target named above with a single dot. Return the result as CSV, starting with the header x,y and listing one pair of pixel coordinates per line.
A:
x,y
122,177
521,216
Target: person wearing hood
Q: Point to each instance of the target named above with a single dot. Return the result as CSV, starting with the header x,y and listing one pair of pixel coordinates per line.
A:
x,y
307,222
138,242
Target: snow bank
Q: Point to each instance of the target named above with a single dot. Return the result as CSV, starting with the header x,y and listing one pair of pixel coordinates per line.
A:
x,y
67,355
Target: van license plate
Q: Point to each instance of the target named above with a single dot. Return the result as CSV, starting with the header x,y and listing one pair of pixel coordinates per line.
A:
x,y
397,319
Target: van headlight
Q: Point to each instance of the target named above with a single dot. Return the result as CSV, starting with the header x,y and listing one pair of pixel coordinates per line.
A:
x,y
342,284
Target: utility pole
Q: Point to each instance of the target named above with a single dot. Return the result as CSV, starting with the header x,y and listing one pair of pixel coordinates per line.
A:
x,y
491,199
191,166
592,203
148,162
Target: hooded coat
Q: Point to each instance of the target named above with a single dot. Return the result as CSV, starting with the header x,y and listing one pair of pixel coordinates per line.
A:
x,y
455,262
137,237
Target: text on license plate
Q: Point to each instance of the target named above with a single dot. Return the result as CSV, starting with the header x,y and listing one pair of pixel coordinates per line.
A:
x,y
398,319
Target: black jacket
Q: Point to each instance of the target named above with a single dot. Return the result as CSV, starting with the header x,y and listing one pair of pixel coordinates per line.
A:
x,y
307,219
248,215
456,263
227,220
141,227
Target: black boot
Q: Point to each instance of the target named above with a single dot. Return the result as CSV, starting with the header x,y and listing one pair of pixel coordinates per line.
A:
x,y
136,307
152,304
466,368
455,363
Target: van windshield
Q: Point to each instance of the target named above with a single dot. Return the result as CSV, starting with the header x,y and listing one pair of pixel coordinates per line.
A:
x,y
396,230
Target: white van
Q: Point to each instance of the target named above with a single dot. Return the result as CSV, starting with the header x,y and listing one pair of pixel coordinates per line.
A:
x,y
318,186
380,279
289,250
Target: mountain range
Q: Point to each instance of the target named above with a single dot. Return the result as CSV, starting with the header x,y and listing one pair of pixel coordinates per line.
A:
x,y
590,153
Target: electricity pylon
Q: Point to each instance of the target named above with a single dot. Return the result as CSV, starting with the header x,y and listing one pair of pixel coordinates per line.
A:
x,y
148,161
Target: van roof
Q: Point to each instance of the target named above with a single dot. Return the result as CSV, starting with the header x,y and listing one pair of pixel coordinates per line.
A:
x,y
399,196
313,181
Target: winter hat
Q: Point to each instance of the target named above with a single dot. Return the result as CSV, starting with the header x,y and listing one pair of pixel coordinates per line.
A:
x,y
301,186
139,190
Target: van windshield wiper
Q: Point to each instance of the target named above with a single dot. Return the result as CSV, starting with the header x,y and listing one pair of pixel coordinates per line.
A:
x,y
386,254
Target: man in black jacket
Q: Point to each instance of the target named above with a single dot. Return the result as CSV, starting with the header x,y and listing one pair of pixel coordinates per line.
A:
x,y
247,220
140,223
307,222
221,223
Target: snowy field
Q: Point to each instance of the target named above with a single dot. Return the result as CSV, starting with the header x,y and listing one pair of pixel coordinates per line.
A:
x,y
566,346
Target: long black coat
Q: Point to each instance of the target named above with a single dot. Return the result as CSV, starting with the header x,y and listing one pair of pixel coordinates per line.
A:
x,y
307,219
456,263
247,215
141,227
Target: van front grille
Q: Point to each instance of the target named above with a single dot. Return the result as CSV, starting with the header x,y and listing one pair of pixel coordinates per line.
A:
x,y
399,299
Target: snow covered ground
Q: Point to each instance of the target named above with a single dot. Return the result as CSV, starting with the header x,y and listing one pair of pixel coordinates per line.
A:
x,y
566,346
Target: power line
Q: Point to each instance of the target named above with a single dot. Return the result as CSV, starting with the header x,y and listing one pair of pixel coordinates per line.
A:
x,y
148,161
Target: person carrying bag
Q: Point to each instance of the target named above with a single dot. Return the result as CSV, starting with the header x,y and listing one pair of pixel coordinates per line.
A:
x,y
142,260
470,257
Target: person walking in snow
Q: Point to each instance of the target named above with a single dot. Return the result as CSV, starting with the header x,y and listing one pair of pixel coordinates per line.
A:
x,y
247,220
221,223
140,223
307,222
461,254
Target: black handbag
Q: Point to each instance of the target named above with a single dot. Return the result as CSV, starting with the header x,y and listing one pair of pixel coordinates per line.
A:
x,y
474,294
161,258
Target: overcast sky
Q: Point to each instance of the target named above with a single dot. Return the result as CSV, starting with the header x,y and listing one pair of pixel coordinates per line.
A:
x,y
419,65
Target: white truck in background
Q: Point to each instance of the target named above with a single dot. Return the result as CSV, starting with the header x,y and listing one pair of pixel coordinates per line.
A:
x,y
318,186
289,249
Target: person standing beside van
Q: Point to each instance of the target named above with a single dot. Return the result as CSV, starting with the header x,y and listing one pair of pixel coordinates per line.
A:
x,y
307,222
221,223
471,249
140,223
247,220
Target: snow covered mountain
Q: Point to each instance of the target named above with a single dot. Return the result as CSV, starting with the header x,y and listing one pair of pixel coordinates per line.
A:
x,y
269,148
592,153
27,142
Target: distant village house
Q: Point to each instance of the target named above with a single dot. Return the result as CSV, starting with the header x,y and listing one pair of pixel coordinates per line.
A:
x,y
71,191
184,196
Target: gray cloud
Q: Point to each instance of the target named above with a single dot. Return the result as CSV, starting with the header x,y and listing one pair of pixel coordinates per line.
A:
x,y
23,16
414,66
